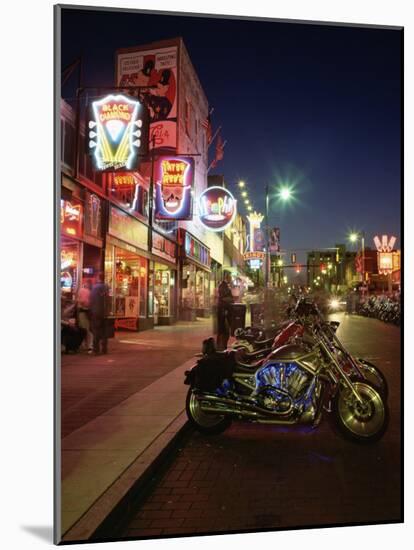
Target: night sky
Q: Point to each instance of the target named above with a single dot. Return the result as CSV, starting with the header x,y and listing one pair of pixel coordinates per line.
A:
x,y
318,107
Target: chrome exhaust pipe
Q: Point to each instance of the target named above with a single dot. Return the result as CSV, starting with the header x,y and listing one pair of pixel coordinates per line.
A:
x,y
234,407
251,415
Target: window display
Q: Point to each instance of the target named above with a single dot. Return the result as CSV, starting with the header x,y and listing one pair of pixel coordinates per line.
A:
x,y
69,267
126,276
196,287
163,290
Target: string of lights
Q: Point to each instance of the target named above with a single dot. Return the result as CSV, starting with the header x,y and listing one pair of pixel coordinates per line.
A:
x,y
244,198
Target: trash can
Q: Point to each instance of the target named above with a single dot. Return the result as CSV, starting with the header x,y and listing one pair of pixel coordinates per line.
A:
x,y
238,317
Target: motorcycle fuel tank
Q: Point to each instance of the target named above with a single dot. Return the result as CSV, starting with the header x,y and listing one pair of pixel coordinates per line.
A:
x,y
289,352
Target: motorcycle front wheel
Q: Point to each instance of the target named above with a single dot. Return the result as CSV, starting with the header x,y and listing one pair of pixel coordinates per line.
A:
x,y
373,375
364,421
204,422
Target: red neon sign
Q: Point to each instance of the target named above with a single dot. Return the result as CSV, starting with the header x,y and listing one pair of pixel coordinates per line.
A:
x,y
71,218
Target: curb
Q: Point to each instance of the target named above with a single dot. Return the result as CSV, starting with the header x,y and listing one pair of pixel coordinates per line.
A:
x,y
107,514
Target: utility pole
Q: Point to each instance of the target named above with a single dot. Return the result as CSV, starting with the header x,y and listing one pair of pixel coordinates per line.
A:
x,y
363,255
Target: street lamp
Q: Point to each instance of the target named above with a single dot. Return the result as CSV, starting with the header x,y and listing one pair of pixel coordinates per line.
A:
x,y
354,237
284,193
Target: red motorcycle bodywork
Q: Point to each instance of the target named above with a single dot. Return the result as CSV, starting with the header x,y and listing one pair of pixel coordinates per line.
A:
x,y
291,330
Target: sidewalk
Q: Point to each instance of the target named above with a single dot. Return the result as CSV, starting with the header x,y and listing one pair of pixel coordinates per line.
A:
x,y
90,385
119,411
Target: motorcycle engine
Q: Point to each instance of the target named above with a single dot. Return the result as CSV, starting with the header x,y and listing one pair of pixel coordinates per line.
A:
x,y
289,377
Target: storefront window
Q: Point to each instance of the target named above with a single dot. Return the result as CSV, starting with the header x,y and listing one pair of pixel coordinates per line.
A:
x,y
69,267
126,276
143,287
163,290
151,289
109,277
201,289
188,286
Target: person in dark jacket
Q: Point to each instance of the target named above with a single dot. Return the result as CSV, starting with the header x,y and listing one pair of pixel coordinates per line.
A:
x,y
71,334
98,299
224,302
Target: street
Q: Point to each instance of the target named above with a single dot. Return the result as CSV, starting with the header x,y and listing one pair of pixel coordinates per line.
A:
x,y
255,477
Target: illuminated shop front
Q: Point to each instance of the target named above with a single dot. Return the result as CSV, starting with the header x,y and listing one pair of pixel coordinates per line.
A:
x,y
126,270
69,267
81,244
71,228
92,236
195,283
163,276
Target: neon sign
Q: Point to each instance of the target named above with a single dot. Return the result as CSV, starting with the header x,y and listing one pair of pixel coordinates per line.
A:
x,y
118,130
174,182
253,255
384,245
256,240
386,263
124,181
93,215
67,259
71,218
217,208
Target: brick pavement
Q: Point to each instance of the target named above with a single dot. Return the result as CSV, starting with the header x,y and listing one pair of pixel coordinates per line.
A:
x,y
261,477
257,477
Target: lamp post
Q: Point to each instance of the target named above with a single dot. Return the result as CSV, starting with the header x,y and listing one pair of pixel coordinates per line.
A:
x,y
267,236
354,237
284,194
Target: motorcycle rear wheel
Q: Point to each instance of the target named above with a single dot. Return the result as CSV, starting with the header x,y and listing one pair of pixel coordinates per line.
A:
x,y
366,422
205,423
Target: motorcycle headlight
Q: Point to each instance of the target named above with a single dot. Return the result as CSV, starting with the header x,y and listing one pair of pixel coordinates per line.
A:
x,y
334,303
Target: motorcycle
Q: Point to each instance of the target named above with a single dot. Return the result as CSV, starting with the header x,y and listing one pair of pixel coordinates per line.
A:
x,y
357,368
295,384
295,330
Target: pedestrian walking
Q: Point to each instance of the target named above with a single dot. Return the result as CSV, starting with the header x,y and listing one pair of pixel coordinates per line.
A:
x,y
98,300
84,315
224,303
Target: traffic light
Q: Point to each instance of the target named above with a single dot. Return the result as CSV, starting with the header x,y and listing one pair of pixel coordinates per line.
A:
x,y
293,257
297,268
